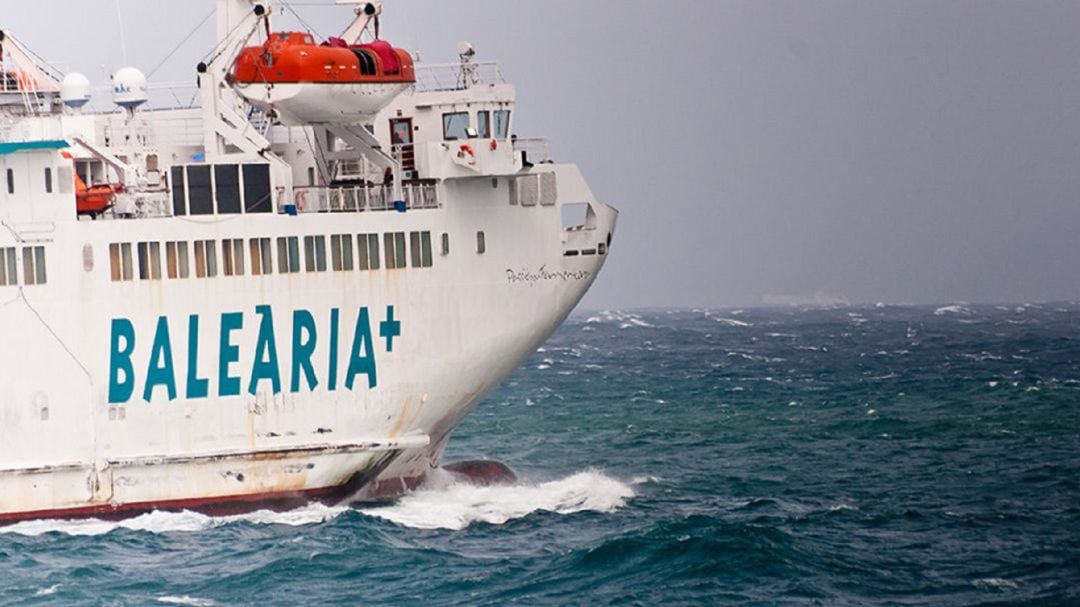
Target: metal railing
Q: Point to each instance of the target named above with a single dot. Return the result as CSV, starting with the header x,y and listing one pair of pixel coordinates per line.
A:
x,y
359,198
537,149
457,76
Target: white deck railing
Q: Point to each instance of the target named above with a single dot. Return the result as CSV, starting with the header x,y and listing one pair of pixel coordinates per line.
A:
x,y
457,76
357,199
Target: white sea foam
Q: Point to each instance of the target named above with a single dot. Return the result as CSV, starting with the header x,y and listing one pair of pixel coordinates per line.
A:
x,y
172,522
953,309
731,322
995,582
185,600
457,505
51,590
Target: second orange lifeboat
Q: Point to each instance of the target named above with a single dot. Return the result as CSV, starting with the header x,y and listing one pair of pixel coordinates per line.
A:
x,y
308,83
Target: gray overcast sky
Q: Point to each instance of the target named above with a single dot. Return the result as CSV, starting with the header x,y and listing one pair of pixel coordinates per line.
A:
x,y
916,151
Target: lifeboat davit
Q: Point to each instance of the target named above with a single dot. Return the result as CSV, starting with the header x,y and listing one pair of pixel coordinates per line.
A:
x,y
329,83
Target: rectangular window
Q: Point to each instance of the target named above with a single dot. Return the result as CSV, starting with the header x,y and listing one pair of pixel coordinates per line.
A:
x,y
257,190
121,267
34,265
10,181
172,264
149,258
367,249
179,192
315,253
48,180
261,261
227,188
445,244
455,125
200,194
481,243
394,244
420,248
341,252
483,124
205,259
502,124
232,257
288,255
8,274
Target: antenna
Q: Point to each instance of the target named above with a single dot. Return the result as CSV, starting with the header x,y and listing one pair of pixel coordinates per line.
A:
x,y
123,41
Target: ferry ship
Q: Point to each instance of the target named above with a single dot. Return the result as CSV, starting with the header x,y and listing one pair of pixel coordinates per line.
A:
x,y
291,290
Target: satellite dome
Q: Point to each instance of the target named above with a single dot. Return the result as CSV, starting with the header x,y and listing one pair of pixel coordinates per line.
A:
x,y
75,90
129,88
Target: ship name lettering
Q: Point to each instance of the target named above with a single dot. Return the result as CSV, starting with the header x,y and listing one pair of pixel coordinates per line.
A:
x,y
312,358
531,277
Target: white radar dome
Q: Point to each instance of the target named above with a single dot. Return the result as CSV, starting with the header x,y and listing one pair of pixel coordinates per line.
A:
x,y
129,88
75,90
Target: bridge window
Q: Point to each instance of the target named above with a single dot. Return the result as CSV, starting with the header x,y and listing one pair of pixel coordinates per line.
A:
x,y
149,254
227,188
200,190
341,252
315,253
455,125
205,259
177,264
261,261
257,189
232,257
502,124
367,249
8,274
483,124
420,244
34,265
178,192
288,255
394,243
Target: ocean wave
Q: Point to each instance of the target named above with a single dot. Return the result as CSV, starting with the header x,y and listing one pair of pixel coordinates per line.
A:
x,y
456,505
953,309
171,522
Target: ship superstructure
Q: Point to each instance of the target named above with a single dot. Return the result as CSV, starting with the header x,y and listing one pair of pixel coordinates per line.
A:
x,y
293,290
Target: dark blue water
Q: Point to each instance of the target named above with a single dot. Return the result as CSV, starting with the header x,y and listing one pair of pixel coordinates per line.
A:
x,y
888,455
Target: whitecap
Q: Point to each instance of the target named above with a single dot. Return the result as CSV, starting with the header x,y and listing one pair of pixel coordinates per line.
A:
x,y
185,600
457,505
953,309
731,322
995,582
51,590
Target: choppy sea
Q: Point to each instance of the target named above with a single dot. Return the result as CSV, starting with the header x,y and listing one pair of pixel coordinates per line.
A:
x,y
871,455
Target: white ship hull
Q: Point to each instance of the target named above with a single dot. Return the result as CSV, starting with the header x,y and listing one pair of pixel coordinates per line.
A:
x,y
220,338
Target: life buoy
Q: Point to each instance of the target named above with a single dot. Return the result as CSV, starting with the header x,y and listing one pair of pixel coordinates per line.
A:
x,y
465,152
301,200
494,144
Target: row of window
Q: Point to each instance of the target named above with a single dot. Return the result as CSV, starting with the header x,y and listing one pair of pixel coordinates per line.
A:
x,y
143,260
33,266
456,125
223,189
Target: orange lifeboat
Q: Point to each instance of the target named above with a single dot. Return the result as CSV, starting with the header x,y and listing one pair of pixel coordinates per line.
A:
x,y
333,82
96,198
